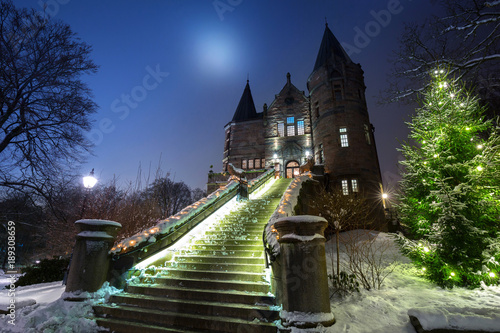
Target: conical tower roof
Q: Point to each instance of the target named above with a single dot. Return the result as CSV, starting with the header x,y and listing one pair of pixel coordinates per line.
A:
x,y
246,107
330,46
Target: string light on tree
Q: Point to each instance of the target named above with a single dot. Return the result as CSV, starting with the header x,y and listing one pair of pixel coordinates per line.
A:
x,y
438,201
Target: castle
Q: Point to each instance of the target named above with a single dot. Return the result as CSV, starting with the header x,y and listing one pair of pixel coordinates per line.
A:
x,y
331,125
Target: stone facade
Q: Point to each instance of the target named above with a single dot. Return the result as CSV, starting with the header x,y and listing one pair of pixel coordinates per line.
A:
x,y
287,126
332,124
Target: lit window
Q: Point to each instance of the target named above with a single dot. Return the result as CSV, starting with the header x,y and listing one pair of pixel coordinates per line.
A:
x,y
345,187
344,142
243,164
290,120
263,163
300,127
257,163
281,129
290,130
250,164
354,185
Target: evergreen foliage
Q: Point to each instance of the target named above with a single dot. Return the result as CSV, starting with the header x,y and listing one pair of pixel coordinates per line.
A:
x,y
450,199
48,270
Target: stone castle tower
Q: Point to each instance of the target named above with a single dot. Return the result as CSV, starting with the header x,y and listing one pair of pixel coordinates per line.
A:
x,y
331,124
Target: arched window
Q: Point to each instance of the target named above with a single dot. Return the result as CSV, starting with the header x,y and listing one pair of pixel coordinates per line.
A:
x,y
292,169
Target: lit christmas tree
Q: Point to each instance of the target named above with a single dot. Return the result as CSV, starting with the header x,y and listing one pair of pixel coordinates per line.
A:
x,y
450,190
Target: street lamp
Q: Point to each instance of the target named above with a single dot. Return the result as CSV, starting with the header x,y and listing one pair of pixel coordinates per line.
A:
x,y
88,182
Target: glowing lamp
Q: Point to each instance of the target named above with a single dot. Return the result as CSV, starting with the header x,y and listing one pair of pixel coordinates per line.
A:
x,y
308,153
492,275
275,156
385,196
89,181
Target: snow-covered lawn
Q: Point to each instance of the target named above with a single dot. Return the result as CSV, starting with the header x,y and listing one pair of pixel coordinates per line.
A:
x,y
383,311
386,310
41,308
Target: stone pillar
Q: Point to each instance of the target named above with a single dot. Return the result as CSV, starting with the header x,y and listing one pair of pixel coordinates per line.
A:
x,y
305,294
90,261
242,189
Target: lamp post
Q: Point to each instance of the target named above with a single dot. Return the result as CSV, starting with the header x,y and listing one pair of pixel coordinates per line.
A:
x,y
88,182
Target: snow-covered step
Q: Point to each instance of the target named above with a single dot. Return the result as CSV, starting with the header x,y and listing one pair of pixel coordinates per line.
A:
x,y
214,275
220,259
235,310
257,232
227,246
249,286
240,252
218,267
129,326
216,283
225,241
179,319
224,296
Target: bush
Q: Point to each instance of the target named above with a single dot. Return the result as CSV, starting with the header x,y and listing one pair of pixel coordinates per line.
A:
x,y
48,270
344,284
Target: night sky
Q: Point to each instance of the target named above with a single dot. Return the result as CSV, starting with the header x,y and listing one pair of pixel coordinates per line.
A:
x,y
172,72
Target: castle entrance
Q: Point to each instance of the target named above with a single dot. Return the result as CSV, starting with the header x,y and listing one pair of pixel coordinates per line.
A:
x,y
292,169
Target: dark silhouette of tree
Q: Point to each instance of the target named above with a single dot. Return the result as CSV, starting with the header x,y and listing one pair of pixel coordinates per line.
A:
x,y
464,39
45,106
198,194
26,215
169,196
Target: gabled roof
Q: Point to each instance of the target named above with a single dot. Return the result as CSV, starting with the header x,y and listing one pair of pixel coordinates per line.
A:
x,y
246,106
288,90
329,46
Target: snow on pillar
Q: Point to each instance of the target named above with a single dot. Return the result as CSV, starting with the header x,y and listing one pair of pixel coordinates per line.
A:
x,y
90,261
305,294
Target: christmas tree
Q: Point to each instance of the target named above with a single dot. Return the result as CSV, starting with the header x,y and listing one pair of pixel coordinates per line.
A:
x,y
450,197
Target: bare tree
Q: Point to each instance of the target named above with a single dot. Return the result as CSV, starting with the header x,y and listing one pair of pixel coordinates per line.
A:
x,y
198,194
19,209
170,196
45,107
364,254
464,41
343,212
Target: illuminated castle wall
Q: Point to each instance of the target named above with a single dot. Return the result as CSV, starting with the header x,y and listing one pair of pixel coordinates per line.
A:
x,y
332,124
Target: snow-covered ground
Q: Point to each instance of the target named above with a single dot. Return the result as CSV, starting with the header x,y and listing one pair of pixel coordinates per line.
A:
x,y
376,311
41,309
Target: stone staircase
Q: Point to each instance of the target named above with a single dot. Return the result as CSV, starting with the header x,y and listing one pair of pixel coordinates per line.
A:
x,y
216,283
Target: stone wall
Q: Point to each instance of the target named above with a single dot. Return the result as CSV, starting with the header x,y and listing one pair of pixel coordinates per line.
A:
x,y
244,140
